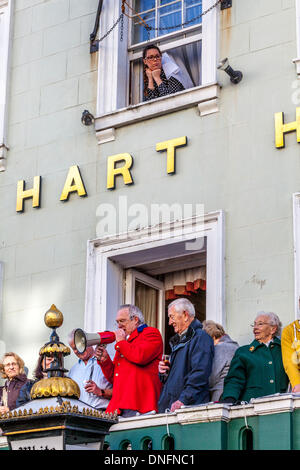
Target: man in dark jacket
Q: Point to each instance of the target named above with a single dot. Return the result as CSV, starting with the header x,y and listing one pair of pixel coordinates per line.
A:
x,y
186,380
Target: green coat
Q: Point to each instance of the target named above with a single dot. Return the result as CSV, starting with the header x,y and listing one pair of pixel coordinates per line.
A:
x,y
255,371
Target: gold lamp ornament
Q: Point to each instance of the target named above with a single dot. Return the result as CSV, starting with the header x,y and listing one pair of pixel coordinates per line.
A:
x,y
56,384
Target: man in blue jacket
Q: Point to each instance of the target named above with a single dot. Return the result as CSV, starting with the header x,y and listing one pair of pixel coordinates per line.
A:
x,y
186,380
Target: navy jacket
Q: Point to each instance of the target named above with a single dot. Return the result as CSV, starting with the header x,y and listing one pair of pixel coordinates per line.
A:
x,y
191,364
24,395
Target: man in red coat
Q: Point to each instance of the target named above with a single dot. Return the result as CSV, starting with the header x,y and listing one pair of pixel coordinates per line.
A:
x,y
134,370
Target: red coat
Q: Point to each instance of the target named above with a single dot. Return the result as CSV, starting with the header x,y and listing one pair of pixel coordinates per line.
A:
x,y
134,371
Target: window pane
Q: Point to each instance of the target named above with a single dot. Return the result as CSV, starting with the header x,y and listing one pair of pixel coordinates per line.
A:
x,y
169,17
143,5
192,2
146,299
166,2
140,33
136,82
193,12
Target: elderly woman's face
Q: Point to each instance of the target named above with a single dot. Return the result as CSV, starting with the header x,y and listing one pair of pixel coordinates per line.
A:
x,y
263,330
153,59
11,367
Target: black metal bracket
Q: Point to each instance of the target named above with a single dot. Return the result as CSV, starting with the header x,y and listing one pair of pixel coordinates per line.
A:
x,y
94,45
226,4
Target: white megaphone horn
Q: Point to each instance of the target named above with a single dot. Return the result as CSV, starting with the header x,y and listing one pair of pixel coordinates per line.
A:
x,y
83,340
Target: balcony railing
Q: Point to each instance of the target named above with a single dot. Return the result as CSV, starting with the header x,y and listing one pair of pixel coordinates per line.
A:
x,y
266,423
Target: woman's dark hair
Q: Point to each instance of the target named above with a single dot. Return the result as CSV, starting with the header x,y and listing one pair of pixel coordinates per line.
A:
x,y
38,371
147,48
145,78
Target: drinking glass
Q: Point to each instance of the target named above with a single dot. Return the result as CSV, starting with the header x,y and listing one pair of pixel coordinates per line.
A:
x,y
166,360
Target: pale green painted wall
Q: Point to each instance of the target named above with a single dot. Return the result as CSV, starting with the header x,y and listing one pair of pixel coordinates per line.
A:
x,y
230,163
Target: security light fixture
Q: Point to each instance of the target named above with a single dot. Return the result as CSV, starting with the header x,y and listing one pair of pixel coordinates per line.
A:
x,y
87,118
235,75
226,4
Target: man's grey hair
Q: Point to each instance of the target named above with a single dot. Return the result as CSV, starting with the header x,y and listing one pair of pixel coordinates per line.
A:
x,y
273,319
182,304
134,311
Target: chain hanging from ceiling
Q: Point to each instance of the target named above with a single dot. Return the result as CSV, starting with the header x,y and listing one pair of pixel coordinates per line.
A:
x,y
125,7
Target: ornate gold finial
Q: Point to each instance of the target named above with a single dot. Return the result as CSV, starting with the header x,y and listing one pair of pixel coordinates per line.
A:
x,y
55,384
53,317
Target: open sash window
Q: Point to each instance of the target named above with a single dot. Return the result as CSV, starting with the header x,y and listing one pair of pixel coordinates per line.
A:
x,y
185,30
176,28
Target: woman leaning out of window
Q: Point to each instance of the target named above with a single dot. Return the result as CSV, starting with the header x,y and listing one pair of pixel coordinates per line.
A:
x,y
156,83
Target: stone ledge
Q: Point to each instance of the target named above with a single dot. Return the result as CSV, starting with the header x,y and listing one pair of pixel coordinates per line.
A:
x,y
213,412
205,97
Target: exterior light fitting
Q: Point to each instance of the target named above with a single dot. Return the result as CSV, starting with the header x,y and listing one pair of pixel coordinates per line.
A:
x,y
226,4
235,75
87,118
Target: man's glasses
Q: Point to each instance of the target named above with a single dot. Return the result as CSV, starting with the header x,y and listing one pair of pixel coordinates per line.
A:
x,y
153,57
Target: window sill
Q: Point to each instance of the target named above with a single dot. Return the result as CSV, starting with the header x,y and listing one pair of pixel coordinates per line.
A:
x,y
205,97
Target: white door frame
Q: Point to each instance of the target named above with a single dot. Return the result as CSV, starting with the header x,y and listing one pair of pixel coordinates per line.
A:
x,y
105,277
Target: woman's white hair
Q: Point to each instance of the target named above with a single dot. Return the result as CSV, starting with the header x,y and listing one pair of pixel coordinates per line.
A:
x,y
134,311
274,321
183,304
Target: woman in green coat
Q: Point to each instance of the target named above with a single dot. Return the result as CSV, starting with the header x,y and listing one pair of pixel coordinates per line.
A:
x,y
256,370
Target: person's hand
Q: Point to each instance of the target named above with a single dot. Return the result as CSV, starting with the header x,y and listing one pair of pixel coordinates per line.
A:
x,y
120,335
296,389
150,78
156,76
91,387
163,368
176,405
101,353
148,73
3,410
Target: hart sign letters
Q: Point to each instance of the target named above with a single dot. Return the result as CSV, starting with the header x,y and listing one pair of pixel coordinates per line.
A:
x,y
117,165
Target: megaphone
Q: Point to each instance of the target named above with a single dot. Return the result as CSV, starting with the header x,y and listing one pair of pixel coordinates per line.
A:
x,y
83,340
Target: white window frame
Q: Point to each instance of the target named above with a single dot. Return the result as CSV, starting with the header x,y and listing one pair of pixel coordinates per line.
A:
x,y
105,277
113,76
296,223
6,9
297,60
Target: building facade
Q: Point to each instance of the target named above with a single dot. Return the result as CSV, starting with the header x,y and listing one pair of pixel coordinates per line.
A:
x,y
194,194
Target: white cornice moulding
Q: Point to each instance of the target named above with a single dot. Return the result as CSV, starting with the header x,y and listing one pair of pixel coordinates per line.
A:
x,y
205,97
